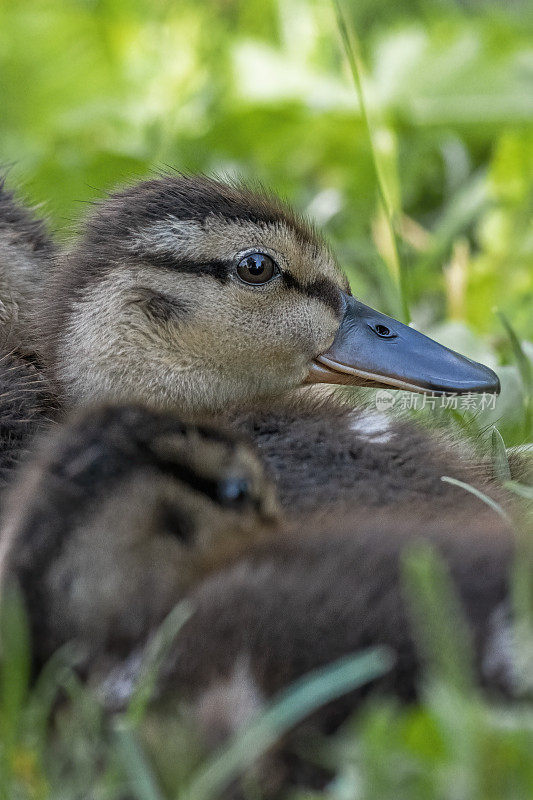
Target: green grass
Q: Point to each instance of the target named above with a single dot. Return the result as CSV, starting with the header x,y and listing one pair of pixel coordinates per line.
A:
x,y
390,208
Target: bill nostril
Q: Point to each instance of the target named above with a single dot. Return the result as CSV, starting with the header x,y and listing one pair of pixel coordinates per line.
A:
x,y
383,331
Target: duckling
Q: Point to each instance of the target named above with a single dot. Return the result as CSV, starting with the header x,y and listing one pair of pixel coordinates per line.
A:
x,y
130,487
205,297
27,407
126,511
319,590
26,255
26,399
321,593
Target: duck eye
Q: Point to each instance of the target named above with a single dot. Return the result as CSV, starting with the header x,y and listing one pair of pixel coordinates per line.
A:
x,y
256,268
233,492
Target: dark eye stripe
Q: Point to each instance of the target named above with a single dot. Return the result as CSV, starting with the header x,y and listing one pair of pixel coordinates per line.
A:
x,y
323,289
187,476
220,270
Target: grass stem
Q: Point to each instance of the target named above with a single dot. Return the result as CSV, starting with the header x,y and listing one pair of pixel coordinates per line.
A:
x,y
480,495
352,54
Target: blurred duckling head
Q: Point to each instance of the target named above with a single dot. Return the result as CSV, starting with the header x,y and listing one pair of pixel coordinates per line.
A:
x,y
122,510
191,293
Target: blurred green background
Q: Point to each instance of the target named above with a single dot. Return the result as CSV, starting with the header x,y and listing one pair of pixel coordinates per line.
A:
x,y
95,93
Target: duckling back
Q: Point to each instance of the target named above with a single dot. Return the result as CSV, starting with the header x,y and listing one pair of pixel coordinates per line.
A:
x,y
26,256
27,405
325,453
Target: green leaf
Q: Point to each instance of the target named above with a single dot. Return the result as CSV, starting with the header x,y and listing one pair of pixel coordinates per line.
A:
x,y
526,373
141,780
520,489
155,654
57,675
500,462
442,631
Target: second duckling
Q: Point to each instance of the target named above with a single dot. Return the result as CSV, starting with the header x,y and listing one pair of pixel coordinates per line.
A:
x,y
117,515
126,511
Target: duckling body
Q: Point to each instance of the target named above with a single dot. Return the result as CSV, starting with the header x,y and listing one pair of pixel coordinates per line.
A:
x,y
303,603
324,453
125,512
323,589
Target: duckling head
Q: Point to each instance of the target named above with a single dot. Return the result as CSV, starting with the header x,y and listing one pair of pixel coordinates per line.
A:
x,y
118,514
188,292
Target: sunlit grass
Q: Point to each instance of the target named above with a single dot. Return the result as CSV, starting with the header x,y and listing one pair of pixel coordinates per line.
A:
x,y
526,374
386,196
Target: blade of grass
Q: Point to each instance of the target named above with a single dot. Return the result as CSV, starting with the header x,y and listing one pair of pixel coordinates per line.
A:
x,y
456,216
520,489
354,61
526,373
305,696
483,497
56,675
468,425
142,782
15,663
155,654
442,631
522,590
500,462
